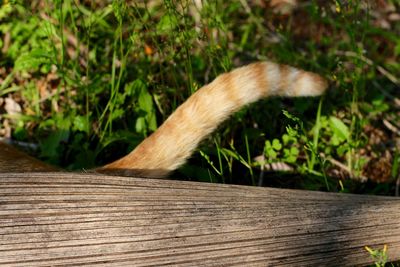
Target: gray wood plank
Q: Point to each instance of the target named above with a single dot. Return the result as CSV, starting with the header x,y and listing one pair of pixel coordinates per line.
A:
x,y
74,219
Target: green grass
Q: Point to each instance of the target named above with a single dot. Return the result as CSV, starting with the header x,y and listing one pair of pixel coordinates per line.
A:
x,y
95,79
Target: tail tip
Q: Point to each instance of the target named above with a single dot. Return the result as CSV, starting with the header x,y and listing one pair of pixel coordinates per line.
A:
x,y
311,85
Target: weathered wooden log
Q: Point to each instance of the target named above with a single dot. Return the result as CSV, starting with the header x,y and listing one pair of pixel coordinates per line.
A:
x,y
76,219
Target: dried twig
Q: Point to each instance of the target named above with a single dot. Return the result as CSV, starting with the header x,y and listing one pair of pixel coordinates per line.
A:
x,y
391,127
381,69
345,168
261,177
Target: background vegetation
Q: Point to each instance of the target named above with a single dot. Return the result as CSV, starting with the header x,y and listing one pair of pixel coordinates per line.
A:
x,y
83,82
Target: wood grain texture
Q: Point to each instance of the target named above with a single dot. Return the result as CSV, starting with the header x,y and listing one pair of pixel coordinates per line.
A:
x,y
97,220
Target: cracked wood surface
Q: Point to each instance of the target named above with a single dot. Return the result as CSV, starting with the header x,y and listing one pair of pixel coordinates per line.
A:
x,y
77,219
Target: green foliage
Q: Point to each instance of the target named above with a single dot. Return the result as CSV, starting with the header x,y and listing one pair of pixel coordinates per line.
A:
x,y
380,256
167,24
32,60
284,151
340,130
145,106
96,78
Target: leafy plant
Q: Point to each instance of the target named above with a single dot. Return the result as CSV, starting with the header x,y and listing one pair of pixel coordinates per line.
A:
x,y
379,255
95,78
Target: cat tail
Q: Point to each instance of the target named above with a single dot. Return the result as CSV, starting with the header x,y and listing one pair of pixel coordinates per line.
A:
x,y
175,140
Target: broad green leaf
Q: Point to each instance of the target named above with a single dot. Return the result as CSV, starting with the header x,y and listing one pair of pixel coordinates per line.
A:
x,y
285,139
130,88
81,124
167,23
146,109
341,150
140,126
380,105
267,145
145,101
117,113
269,151
294,151
276,144
290,155
146,104
339,128
291,159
